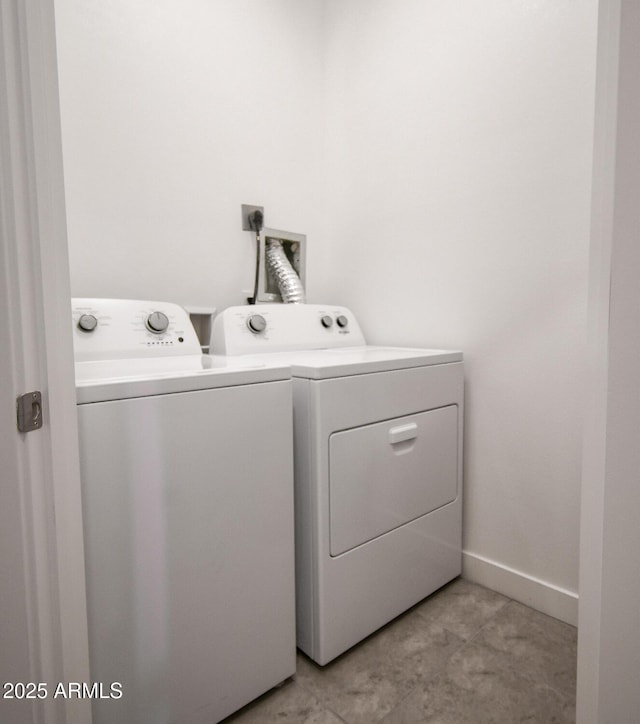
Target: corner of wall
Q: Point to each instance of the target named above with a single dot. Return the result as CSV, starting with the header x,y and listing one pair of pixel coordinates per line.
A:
x,y
534,592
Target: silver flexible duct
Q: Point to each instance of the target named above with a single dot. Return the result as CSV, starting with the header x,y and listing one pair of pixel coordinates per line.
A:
x,y
289,284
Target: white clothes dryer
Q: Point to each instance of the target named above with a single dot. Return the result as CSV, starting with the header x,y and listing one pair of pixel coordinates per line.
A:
x,y
187,497
378,466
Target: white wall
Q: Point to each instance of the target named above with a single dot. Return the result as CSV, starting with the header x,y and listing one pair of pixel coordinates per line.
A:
x,y
437,154
458,142
174,114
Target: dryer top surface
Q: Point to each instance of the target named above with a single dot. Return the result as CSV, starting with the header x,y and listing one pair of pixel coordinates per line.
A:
x,y
320,364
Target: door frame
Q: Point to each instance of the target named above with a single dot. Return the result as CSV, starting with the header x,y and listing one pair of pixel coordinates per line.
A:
x,y
608,636
42,565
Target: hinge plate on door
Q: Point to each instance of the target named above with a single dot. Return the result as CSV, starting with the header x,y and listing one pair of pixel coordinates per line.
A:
x,y
29,409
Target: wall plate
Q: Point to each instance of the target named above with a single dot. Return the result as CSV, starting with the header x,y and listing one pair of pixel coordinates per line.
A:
x,y
248,209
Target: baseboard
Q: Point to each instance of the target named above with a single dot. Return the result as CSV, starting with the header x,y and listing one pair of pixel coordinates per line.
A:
x,y
541,595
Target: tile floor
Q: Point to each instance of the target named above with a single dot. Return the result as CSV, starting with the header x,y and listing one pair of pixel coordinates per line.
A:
x,y
465,655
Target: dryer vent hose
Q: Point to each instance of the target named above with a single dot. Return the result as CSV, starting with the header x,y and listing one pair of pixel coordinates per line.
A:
x,y
289,284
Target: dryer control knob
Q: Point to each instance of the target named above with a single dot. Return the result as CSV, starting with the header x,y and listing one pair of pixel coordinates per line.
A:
x,y
327,321
157,322
342,321
87,322
257,323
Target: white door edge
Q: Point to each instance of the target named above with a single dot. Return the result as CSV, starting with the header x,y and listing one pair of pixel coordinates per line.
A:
x,y
42,566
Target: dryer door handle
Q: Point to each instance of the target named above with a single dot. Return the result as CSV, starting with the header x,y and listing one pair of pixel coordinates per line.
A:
x,y
401,433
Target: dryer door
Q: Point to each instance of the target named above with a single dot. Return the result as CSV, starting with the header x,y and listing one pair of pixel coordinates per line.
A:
x,y
385,475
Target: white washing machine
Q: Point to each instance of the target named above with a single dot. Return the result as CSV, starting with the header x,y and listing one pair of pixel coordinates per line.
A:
x,y
187,496
378,466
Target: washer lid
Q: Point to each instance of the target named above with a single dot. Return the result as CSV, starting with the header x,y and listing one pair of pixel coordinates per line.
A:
x,y
104,380
322,364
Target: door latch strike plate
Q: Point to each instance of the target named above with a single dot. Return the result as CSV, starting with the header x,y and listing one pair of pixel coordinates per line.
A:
x,y
29,409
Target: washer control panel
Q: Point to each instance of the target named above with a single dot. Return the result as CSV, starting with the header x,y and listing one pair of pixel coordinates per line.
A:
x,y
283,327
130,328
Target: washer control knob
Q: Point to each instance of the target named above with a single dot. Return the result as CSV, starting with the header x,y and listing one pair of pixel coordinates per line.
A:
x,y
157,322
342,321
87,322
257,323
326,321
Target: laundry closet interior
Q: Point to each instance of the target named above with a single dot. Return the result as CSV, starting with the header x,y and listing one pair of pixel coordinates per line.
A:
x,y
435,158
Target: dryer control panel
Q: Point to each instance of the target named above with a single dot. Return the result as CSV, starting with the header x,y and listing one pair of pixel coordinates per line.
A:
x,y
130,328
283,327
